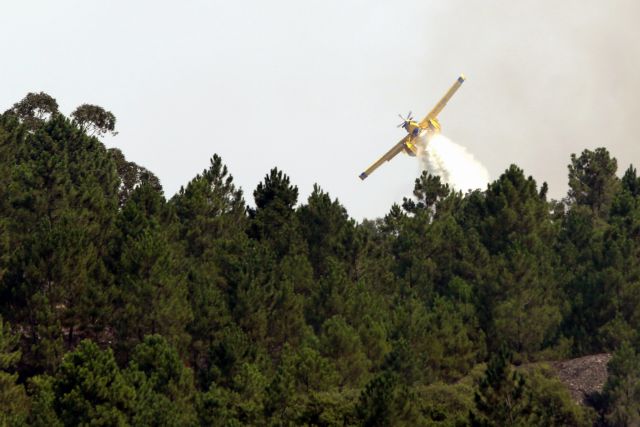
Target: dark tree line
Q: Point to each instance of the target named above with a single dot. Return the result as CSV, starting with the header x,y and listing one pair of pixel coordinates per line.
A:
x,y
122,307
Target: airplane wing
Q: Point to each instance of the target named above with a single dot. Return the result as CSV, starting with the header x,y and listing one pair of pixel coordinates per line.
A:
x,y
386,157
443,102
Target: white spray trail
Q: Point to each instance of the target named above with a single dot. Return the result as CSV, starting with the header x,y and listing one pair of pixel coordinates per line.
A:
x,y
452,162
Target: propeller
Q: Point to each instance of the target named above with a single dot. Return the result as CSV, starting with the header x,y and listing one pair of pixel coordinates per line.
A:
x,y
405,120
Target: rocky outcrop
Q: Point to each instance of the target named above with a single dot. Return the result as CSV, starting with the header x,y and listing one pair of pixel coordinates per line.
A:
x,y
583,376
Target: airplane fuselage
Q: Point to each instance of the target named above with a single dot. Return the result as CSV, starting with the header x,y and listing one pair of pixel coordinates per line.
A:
x,y
414,129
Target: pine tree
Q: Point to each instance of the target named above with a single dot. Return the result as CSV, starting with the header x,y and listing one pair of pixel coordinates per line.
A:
x,y
64,198
165,392
13,399
501,398
90,389
327,230
593,181
518,301
131,176
276,234
211,214
273,220
151,292
631,182
603,286
428,192
622,389
341,343
388,399
455,342
375,407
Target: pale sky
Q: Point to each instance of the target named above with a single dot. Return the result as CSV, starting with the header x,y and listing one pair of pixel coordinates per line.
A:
x,y
314,87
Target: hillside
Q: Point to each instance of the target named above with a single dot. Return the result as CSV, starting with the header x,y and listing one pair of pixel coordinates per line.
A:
x,y
122,305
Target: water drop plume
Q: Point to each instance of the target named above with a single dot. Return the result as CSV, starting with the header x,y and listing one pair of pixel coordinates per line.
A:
x,y
452,162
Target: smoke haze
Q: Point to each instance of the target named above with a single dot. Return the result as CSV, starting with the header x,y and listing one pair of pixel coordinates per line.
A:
x,y
545,79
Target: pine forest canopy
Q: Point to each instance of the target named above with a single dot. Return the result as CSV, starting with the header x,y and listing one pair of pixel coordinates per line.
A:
x,y
119,306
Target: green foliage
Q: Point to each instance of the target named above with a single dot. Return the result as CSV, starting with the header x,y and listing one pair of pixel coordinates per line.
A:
x,y
630,181
89,388
428,191
310,370
551,403
285,315
501,398
165,391
243,403
94,120
211,216
386,401
518,292
34,109
605,285
376,404
43,411
63,202
273,220
216,407
455,345
444,404
327,230
228,355
14,404
622,389
530,396
331,409
282,400
151,296
592,180
131,176
340,342
290,314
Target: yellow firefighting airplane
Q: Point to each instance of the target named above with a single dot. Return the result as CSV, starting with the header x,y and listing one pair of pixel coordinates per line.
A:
x,y
414,129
